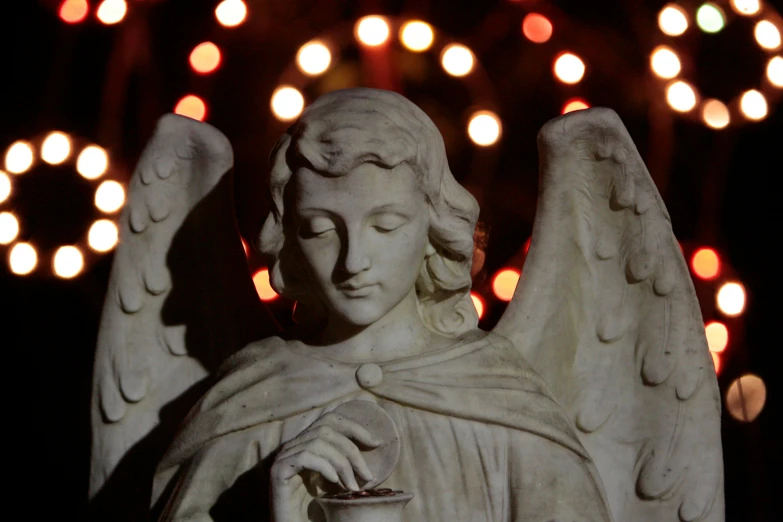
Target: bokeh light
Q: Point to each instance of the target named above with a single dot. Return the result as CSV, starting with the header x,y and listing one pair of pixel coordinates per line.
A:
x,y
478,304
68,262
287,103
9,228
753,105
92,162
672,20
205,58
109,197
19,158
717,336
5,186
715,361
710,18
56,148
417,36
745,398
103,235
112,11
665,63
569,68
231,13
731,299
191,106
705,263
504,283
537,28
775,71
746,7
73,11
574,104
767,35
263,287
372,30
715,114
681,96
313,58
22,259
484,128
457,60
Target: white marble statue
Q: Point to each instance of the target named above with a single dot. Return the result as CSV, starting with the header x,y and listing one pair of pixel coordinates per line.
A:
x,y
594,398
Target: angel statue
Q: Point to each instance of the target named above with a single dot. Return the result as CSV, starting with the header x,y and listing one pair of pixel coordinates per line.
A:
x,y
593,399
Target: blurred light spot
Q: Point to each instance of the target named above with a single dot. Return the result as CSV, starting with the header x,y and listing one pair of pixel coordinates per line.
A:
x,y
103,235
775,71
9,227
717,336
715,361
665,63
457,60
263,287
245,247
709,18
705,263
19,157
478,304
22,259
731,299
313,58
767,35
569,68
112,11
537,28
231,13
92,162
191,106
746,397
672,20
484,128
753,105
504,283
205,58
574,104
5,186
68,262
417,36
715,114
746,7
73,11
526,246
681,96
287,103
372,30
56,148
109,197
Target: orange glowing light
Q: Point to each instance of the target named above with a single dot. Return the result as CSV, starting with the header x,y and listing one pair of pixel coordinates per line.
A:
x,y
73,11
112,12
205,58
537,28
715,361
244,247
504,283
192,106
705,263
717,336
263,287
231,13
569,68
478,303
574,104
527,245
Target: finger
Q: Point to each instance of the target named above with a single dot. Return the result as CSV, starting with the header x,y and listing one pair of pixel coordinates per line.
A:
x,y
305,460
327,451
343,444
351,429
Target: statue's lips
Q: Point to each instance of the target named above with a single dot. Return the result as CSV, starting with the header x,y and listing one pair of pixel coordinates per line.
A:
x,y
362,290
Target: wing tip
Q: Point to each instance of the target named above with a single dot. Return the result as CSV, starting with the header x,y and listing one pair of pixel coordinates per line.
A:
x,y
557,128
217,144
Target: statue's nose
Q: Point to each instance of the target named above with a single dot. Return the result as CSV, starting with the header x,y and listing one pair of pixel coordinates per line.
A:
x,y
357,258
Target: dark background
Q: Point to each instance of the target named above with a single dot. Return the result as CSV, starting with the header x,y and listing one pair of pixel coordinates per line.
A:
x,y
109,85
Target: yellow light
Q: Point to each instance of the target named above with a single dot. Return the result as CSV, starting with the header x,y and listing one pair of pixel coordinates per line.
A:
x,y
665,63
775,71
73,11
484,128
22,259
92,162
19,157
705,263
103,235
417,36
205,58
263,287
731,299
109,197
192,107
717,336
313,58
746,397
5,186
715,114
681,96
9,228
112,11
372,30
569,68
767,35
672,20
753,105
56,148
231,13
287,103
504,284
457,60
715,361
478,304
746,7
68,262
574,104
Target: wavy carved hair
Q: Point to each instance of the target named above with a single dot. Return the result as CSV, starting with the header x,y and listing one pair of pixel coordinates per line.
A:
x,y
342,130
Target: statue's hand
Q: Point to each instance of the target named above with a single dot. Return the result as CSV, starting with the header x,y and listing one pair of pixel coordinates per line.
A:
x,y
327,447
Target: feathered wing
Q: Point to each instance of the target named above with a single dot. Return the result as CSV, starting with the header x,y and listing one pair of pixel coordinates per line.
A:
x,y
605,310
180,300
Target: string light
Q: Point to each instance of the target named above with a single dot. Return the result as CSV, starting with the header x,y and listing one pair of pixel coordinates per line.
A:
x,y
5,186
9,228
372,30
457,60
263,286
205,58
504,283
681,96
746,397
753,105
767,35
574,104
68,262
73,11
192,106
537,28
484,128
717,336
92,162
111,12
672,20
109,197
731,299
569,68
775,71
478,304
705,263
19,158
313,58
22,259
417,36
231,13
103,235
710,18
715,114
287,103
746,7
56,148
665,63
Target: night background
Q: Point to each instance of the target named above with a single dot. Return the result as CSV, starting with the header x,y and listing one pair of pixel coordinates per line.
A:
x,y
108,84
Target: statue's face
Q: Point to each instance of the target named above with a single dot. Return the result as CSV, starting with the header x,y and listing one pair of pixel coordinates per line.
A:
x,y
364,236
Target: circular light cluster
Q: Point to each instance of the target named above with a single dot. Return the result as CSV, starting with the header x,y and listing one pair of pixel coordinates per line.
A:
x,y
417,36
457,60
91,163
287,103
569,68
484,128
372,31
313,58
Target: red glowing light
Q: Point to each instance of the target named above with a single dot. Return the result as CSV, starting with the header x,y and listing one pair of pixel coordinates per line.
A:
x,y
574,104
478,303
527,245
537,28
705,263
263,287
73,11
192,107
505,283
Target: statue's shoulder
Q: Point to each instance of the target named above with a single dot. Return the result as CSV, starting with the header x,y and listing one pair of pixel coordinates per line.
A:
x,y
267,349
